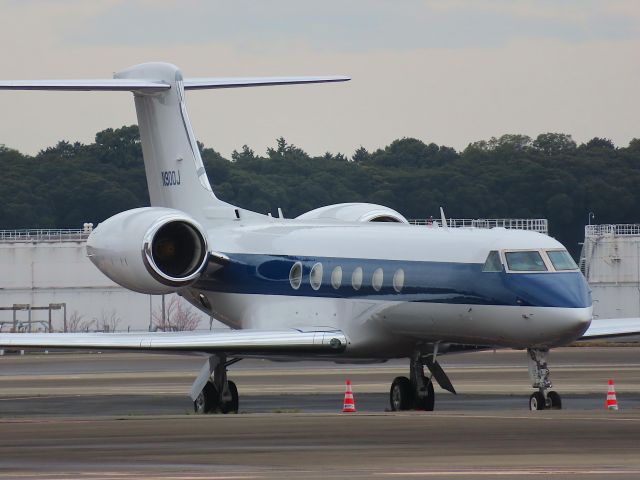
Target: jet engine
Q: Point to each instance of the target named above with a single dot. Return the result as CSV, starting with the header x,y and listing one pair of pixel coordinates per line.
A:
x,y
355,212
150,250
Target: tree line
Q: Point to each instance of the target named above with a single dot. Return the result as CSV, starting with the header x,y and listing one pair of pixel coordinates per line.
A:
x,y
516,176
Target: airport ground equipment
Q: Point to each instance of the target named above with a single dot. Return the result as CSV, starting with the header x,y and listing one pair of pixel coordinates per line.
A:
x,y
612,399
349,404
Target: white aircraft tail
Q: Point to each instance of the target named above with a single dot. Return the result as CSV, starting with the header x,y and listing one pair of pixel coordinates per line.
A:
x,y
175,173
176,177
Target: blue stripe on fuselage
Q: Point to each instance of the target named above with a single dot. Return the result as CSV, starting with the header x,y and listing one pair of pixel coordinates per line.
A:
x,y
436,282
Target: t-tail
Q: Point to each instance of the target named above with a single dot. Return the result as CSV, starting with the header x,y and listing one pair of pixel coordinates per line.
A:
x,y
176,176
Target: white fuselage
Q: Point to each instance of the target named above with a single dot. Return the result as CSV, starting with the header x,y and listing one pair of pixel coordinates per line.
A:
x,y
444,297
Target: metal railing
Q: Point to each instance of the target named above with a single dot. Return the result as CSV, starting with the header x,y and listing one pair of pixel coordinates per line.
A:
x,y
44,235
79,235
612,229
534,224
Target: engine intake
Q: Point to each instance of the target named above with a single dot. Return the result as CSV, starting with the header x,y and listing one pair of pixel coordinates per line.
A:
x,y
175,251
355,212
150,250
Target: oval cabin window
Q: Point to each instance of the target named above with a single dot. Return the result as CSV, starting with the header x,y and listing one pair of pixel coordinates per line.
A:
x,y
295,275
398,280
356,278
336,277
315,277
377,279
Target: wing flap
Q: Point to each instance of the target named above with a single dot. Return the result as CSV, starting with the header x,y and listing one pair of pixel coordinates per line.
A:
x,y
612,328
232,342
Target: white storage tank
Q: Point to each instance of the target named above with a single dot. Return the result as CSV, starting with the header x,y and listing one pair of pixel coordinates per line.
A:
x,y
610,261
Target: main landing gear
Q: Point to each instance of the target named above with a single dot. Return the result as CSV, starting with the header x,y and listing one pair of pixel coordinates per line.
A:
x,y
539,374
217,393
416,392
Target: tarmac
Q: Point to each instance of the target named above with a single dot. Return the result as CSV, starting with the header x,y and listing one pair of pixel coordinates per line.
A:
x,y
127,416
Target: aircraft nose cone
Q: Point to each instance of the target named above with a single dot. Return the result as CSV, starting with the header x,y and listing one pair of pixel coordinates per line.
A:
x,y
582,319
572,323
573,292
559,290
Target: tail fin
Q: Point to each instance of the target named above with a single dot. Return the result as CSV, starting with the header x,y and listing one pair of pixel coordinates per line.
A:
x,y
176,177
175,174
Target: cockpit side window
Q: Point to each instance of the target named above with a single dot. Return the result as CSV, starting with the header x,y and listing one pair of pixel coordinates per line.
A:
x,y
561,260
492,263
527,261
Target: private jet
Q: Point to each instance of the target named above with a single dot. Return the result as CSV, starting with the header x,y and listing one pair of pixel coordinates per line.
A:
x,y
352,282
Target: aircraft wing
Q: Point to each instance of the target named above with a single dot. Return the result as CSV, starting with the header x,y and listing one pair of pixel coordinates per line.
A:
x,y
612,328
248,342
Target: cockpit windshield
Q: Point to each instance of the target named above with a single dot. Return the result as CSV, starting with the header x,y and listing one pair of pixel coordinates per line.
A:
x,y
525,261
561,260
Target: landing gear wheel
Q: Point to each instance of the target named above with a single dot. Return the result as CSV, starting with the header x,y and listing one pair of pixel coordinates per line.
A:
x,y
401,395
555,400
426,403
207,400
536,401
232,405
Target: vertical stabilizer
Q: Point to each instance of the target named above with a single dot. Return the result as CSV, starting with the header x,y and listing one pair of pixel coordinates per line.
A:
x,y
175,173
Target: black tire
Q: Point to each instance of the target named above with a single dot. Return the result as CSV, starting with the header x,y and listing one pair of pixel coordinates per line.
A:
x,y
207,401
537,401
426,403
401,395
232,405
556,401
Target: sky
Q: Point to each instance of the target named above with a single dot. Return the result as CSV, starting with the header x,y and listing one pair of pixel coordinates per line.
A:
x,y
445,71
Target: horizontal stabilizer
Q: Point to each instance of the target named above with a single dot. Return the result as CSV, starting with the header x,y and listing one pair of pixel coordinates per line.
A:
x,y
612,327
152,86
233,342
109,84
202,83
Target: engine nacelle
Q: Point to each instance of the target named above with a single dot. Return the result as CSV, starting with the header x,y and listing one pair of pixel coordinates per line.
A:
x,y
150,250
355,212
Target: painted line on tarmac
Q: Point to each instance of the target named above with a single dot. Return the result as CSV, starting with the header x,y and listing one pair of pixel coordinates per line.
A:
x,y
534,416
39,397
293,371
514,472
125,475
256,390
320,415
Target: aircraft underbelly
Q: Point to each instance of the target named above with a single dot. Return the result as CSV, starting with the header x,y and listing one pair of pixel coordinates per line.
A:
x,y
372,325
498,325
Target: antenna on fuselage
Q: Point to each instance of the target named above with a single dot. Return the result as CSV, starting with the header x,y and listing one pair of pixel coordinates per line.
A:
x,y
443,218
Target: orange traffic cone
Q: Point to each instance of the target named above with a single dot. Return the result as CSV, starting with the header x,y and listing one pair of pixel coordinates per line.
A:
x,y
349,403
612,401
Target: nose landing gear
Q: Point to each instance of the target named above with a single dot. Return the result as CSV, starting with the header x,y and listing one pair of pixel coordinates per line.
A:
x,y
539,374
